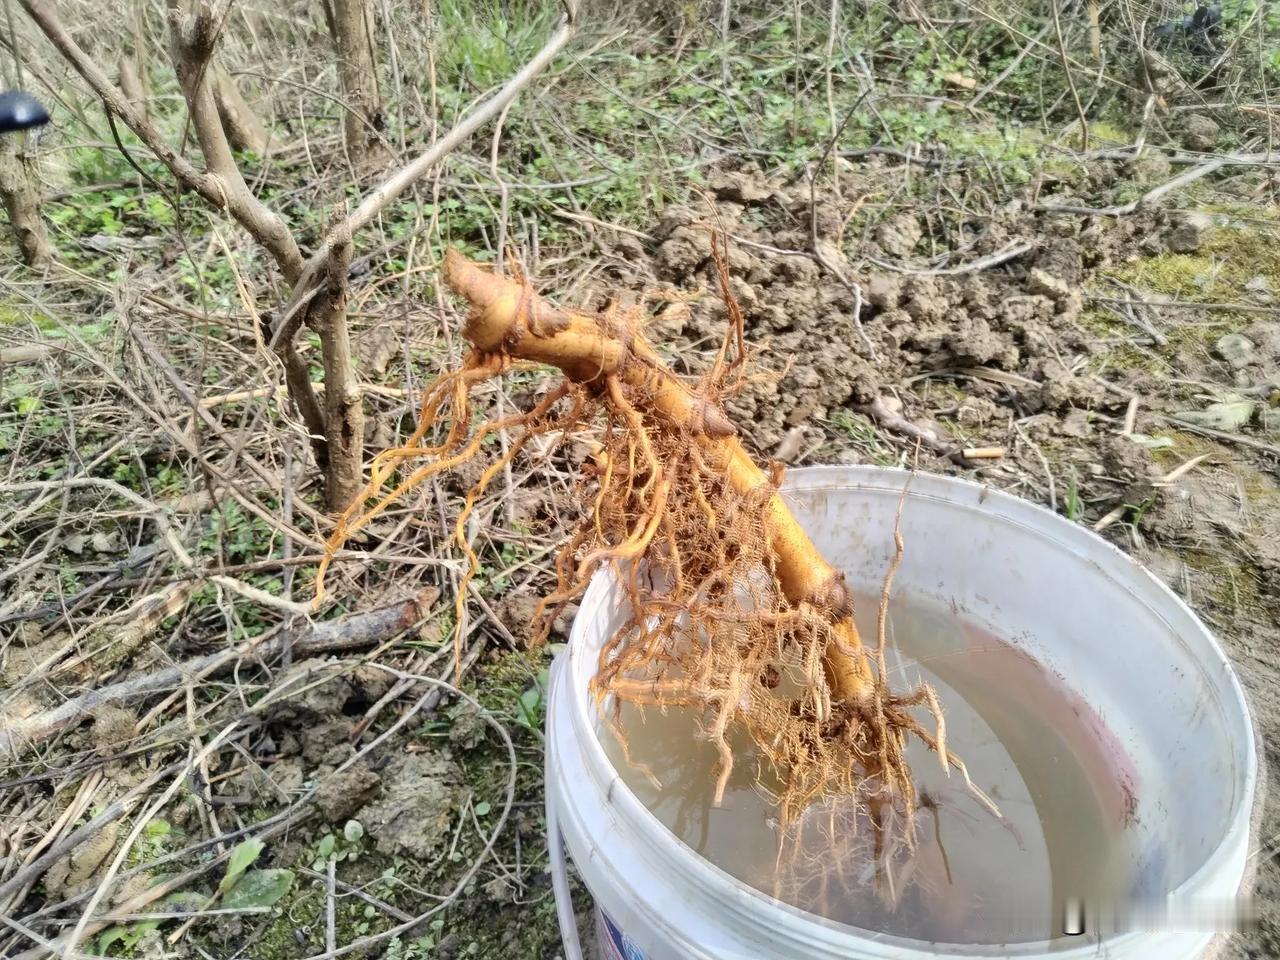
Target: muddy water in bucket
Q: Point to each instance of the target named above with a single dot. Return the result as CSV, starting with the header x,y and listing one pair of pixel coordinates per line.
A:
x,y
1062,785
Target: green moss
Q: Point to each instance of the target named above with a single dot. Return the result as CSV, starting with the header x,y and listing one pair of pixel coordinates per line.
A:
x,y
1120,353
13,315
1260,489
508,676
1215,274
1199,337
1127,358
1239,210
1185,446
993,143
1103,324
1230,584
1109,133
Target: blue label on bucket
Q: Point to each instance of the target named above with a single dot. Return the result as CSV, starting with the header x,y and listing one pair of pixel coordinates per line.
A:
x,y
614,944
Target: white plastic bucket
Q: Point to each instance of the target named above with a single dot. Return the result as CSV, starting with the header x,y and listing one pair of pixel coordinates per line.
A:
x,y
1080,606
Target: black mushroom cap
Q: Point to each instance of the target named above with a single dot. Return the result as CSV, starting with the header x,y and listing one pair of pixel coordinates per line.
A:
x,y
21,111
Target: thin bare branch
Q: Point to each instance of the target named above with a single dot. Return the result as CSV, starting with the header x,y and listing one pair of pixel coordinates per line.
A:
x,y
220,186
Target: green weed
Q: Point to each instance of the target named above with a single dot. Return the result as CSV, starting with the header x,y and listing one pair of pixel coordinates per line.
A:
x,y
1073,506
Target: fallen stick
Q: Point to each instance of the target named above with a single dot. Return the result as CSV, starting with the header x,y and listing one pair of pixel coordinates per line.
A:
x,y
1011,252
20,734
1223,435
114,811
24,354
281,391
1191,305
1181,180
880,412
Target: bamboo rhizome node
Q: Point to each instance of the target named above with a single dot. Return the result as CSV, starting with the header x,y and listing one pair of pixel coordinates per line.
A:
x,y
732,612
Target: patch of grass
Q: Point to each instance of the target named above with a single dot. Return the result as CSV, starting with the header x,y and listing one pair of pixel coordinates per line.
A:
x,y
237,534
486,42
863,434
52,327
1108,132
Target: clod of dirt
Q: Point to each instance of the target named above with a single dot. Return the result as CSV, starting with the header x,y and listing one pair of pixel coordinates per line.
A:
x,y
741,187
899,235
1018,319
672,218
1131,464
924,302
1237,349
419,794
499,889
1150,168
377,431
1259,289
516,610
1200,133
1076,424
682,253
1265,336
1044,283
113,725
342,794
369,684
884,291
1061,258
669,322
1190,232
131,887
312,689
377,348
99,542
326,741
20,662
467,726
792,445
627,248
561,624
27,633
262,786
449,947
1264,554
312,716
78,867
1227,415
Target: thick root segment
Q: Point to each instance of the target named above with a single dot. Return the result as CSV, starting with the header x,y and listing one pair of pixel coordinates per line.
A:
x,y
733,612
